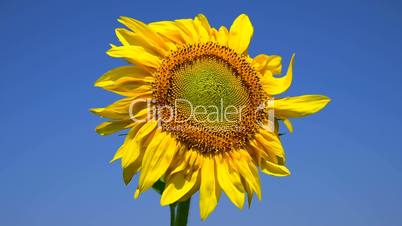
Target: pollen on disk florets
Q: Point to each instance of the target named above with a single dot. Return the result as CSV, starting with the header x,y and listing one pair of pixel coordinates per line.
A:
x,y
207,96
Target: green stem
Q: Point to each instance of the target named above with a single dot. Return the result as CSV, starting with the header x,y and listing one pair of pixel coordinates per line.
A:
x,y
172,214
182,213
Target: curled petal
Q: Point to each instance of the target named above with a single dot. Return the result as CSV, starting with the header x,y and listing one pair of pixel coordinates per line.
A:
x,y
264,62
273,85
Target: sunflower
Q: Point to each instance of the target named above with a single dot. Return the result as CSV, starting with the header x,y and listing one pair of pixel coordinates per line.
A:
x,y
199,110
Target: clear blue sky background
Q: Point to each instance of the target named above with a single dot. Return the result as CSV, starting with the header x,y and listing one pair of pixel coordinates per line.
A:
x,y
346,160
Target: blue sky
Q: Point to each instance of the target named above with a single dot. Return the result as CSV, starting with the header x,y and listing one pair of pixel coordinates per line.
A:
x,y
346,160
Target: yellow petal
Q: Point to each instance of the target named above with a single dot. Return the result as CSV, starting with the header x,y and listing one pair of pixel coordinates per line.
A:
x,y
157,159
273,85
138,143
210,190
168,30
127,142
128,38
240,35
202,26
131,87
222,36
187,25
155,142
193,190
270,142
151,37
125,37
213,34
257,154
123,74
107,128
249,172
230,182
135,55
194,156
114,76
131,170
263,62
180,160
249,191
117,111
300,106
288,124
274,169
276,127
123,109
177,186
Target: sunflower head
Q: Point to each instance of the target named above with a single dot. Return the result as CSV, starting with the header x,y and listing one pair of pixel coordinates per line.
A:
x,y
196,106
208,95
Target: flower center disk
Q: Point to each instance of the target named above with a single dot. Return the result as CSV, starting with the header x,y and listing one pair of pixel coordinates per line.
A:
x,y
207,96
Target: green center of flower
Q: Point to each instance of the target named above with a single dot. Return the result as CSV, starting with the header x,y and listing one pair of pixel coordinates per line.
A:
x,y
209,92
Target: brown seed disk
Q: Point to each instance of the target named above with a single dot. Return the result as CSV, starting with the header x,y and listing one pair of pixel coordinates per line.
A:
x,y
207,138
